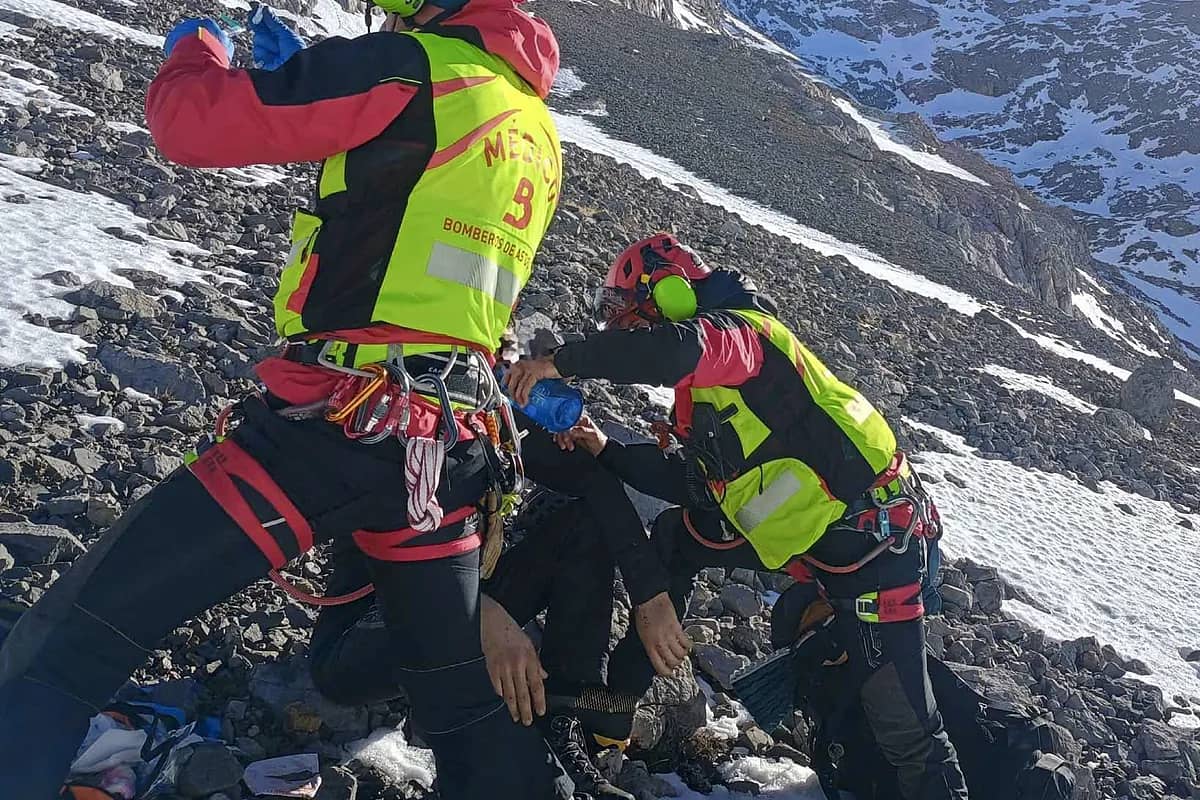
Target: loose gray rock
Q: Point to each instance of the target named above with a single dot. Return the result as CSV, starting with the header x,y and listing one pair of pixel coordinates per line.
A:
x,y
152,375
989,596
1085,725
105,297
1149,393
1156,741
39,544
210,768
168,229
6,559
160,465
741,600
718,663
1122,423
956,599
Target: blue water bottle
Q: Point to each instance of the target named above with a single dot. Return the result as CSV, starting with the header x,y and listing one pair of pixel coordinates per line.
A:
x,y
553,404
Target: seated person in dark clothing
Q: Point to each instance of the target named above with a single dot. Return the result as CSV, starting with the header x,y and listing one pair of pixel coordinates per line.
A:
x,y
565,565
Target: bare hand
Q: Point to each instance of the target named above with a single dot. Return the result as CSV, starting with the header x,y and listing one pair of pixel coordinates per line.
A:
x,y
521,376
512,663
661,634
585,434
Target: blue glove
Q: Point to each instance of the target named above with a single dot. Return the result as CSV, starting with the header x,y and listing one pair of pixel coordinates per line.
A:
x,y
274,42
192,27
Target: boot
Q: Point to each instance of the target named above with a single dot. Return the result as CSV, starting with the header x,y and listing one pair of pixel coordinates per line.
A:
x,y
566,738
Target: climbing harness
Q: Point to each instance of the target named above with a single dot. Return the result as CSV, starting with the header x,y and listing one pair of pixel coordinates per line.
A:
x,y
893,511
373,403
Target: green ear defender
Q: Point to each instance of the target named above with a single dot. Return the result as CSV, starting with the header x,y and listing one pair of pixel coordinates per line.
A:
x,y
675,298
405,8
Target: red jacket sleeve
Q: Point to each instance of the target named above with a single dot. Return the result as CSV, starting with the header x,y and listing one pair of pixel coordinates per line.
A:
x,y
326,99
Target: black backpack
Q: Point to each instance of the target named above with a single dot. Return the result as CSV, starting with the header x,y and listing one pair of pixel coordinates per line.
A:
x,y
1006,752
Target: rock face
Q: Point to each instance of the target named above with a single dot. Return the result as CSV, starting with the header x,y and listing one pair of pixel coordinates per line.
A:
x,y
1149,393
1018,87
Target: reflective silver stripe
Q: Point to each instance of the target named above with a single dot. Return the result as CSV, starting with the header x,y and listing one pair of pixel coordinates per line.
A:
x,y
475,271
776,493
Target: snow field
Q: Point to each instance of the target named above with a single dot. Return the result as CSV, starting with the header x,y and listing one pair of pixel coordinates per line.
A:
x,y
58,229
1130,577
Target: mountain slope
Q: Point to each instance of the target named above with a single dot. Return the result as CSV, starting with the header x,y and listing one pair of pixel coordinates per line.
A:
x,y
1007,404
1092,105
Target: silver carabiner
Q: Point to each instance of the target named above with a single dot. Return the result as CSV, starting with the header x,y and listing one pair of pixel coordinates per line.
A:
x,y
449,424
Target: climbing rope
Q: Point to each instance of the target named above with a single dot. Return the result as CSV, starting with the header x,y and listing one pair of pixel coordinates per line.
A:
x,y
423,464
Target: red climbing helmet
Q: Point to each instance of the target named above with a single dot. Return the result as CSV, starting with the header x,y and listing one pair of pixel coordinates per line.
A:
x,y
635,289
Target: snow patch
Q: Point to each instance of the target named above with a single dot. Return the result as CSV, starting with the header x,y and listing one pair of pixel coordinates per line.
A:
x,y
23,165
1100,319
651,165
1061,348
1022,382
88,421
566,83
388,752
65,16
331,19
21,92
59,229
1070,548
124,127
883,138
722,727
255,175
779,780
689,20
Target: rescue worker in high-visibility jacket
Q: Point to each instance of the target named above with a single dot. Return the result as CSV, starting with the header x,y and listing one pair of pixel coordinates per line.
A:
x,y
441,170
781,466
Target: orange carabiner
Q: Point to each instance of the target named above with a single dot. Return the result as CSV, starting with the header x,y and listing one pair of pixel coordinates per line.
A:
x,y
343,413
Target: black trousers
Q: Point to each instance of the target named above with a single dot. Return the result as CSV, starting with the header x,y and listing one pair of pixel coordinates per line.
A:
x,y
563,565
886,660
177,553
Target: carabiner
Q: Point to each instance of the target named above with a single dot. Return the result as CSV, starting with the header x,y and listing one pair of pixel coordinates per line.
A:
x,y
449,424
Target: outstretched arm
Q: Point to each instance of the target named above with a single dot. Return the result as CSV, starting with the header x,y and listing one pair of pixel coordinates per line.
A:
x,y
326,99
717,349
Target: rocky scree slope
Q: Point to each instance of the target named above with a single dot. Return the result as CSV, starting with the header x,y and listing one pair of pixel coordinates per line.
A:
x,y
185,351
1090,105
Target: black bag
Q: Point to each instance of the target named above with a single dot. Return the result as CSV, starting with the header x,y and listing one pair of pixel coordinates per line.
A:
x,y
1006,752
1000,745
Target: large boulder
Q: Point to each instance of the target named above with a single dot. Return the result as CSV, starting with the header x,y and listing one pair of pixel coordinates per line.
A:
x,y
1149,393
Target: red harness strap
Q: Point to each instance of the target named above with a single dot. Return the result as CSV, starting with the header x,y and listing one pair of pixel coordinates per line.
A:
x,y
218,466
706,542
391,545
